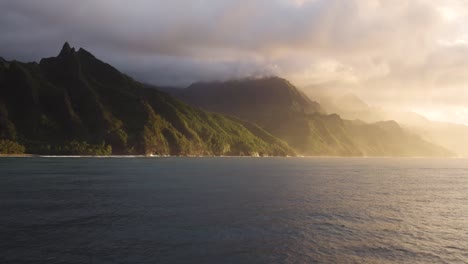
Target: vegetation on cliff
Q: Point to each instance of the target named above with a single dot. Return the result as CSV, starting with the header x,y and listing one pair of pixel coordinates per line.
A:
x,y
77,104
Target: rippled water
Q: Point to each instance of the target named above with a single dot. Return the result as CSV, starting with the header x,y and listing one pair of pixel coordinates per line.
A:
x,y
233,210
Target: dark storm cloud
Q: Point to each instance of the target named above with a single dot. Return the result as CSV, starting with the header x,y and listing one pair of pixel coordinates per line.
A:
x,y
405,47
208,29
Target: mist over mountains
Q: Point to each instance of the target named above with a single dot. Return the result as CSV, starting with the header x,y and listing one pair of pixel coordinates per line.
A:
x,y
349,106
76,104
286,112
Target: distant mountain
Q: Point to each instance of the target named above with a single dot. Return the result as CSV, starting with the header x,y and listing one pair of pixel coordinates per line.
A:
x,y
453,137
77,104
349,106
286,112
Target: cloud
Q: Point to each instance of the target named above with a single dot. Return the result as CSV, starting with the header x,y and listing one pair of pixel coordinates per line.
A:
x,y
388,51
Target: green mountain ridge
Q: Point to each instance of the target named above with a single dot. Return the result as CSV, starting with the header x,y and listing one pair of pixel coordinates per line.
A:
x,y
308,130
77,104
268,94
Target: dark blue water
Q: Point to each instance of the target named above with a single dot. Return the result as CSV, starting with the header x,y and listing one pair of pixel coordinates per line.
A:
x,y
233,210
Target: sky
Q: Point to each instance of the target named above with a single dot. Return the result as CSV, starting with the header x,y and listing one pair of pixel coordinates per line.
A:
x,y
406,54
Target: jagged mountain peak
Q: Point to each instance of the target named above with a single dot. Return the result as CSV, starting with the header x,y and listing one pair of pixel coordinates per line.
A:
x,y
77,104
84,52
66,50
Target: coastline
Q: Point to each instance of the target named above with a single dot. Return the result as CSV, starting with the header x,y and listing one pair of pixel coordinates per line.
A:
x,y
18,155
214,156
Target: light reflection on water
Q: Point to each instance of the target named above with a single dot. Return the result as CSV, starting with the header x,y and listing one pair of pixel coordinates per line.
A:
x,y
233,210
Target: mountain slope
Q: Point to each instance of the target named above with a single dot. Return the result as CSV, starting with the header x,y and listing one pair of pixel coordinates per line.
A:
x,y
448,135
348,106
451,136
77,104
265,97
309,132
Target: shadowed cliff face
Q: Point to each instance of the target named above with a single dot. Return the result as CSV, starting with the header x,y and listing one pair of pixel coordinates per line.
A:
x,y
283,110
77,104
262,100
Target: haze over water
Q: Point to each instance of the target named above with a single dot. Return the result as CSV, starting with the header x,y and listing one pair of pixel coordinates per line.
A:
x,y
233,210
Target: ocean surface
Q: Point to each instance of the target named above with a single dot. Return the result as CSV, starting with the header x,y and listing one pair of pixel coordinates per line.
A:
x,y
233,210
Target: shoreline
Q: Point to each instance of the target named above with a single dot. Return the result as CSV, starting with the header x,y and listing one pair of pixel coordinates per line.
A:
x,y
189,156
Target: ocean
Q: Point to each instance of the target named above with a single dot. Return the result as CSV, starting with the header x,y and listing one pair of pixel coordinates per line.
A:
x,y
233,210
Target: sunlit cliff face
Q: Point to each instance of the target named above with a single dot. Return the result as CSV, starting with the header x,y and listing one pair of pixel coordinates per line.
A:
x,y
408,54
